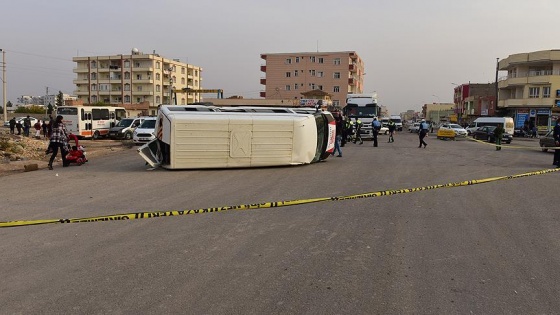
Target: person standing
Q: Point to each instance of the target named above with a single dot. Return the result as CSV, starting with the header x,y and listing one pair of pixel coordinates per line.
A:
x,y
391,126
19,126
422,131
37,127
498,133
556,135
12,125
45,127
59,140
338,139
358,127
51,122
375,127
26,125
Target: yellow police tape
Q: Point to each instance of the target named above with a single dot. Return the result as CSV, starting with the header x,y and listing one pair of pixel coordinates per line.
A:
x,y
157,214
510,146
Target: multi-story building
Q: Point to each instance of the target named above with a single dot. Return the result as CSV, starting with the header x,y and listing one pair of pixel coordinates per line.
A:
x,y
290,74
51,99
473,100
531,90
134,79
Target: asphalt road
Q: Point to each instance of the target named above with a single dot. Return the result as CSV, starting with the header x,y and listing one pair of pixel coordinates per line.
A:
x,y
490,248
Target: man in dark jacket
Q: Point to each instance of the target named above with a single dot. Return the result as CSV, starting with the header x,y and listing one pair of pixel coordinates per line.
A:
x,y
556,134
12,125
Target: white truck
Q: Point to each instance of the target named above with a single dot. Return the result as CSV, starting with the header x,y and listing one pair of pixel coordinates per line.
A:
x,y
363,107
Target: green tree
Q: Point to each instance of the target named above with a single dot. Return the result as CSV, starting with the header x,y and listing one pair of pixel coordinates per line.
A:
x,y
9,104
50,109
59,99
34,109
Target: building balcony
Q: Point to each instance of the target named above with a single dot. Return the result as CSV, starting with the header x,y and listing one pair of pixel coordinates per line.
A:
x,y
80,81
146,81
263,81
527,102
139,69
263,94
79,92
263,68
136,93
351,81
352,68
81,70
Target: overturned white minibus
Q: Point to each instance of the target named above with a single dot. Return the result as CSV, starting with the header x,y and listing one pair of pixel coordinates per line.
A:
x,y
198,139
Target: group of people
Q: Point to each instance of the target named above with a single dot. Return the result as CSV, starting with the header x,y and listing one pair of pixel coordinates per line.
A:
x,y
25,126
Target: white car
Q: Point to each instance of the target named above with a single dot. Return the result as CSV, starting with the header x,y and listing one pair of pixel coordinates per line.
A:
x,y
414,128
459,131
145,132
20,119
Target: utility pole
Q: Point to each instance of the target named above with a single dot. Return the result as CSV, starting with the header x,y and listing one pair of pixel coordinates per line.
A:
x,y
496,85
4,84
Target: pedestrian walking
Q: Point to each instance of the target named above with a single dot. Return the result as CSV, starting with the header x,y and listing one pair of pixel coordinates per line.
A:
x,y
358,127
12,125
391,126
422,131
375,127
556,135
498,133
59,140
51,122
338,139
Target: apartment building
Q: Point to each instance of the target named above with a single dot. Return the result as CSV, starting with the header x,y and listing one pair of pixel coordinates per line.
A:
x,y
531,90
474,100
134,79
288,75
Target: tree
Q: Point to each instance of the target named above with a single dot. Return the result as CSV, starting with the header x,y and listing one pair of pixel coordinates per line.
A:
x,y
59,99
9,104
50,109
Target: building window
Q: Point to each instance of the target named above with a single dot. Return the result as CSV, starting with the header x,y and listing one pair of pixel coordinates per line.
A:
x,y
127,64
158,65
297,59
336,75
174,68
138,77
312,58
295,73
139,88
546,92
158,88
158,76
127,99
138,100
336,61
127,75
182,70
288,74
174,79
336,89
296,86
94,87
321,60
288,61
127,87
320,74
158,99
94,64
94,99
312,73
93,76
320,87
136,65
534,92
288,88
312,86
336,102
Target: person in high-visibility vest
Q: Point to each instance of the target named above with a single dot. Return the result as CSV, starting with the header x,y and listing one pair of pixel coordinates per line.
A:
x,y
359,125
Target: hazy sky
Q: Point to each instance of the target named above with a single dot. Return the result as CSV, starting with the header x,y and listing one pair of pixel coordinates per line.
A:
x,y
413,50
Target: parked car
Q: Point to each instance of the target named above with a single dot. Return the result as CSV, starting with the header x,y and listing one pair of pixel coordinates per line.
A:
x,y
547,141
414,128
487,133
459,131
145,132
125,127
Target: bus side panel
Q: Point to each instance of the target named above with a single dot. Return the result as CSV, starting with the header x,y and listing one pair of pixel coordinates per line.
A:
x,y
199,141
305,140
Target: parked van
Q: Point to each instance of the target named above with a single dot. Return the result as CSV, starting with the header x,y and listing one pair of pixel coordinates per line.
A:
x,y
507,123
125,127
202,139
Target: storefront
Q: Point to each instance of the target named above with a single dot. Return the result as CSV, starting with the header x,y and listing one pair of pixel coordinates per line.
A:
x,y
528,117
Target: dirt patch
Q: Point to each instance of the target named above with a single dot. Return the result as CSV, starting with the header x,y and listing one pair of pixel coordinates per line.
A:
x,y
18,153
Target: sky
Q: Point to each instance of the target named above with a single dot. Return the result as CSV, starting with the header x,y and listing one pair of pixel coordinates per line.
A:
x,y
414,51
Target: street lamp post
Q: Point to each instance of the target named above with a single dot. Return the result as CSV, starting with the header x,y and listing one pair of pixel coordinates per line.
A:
x,y
4,84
